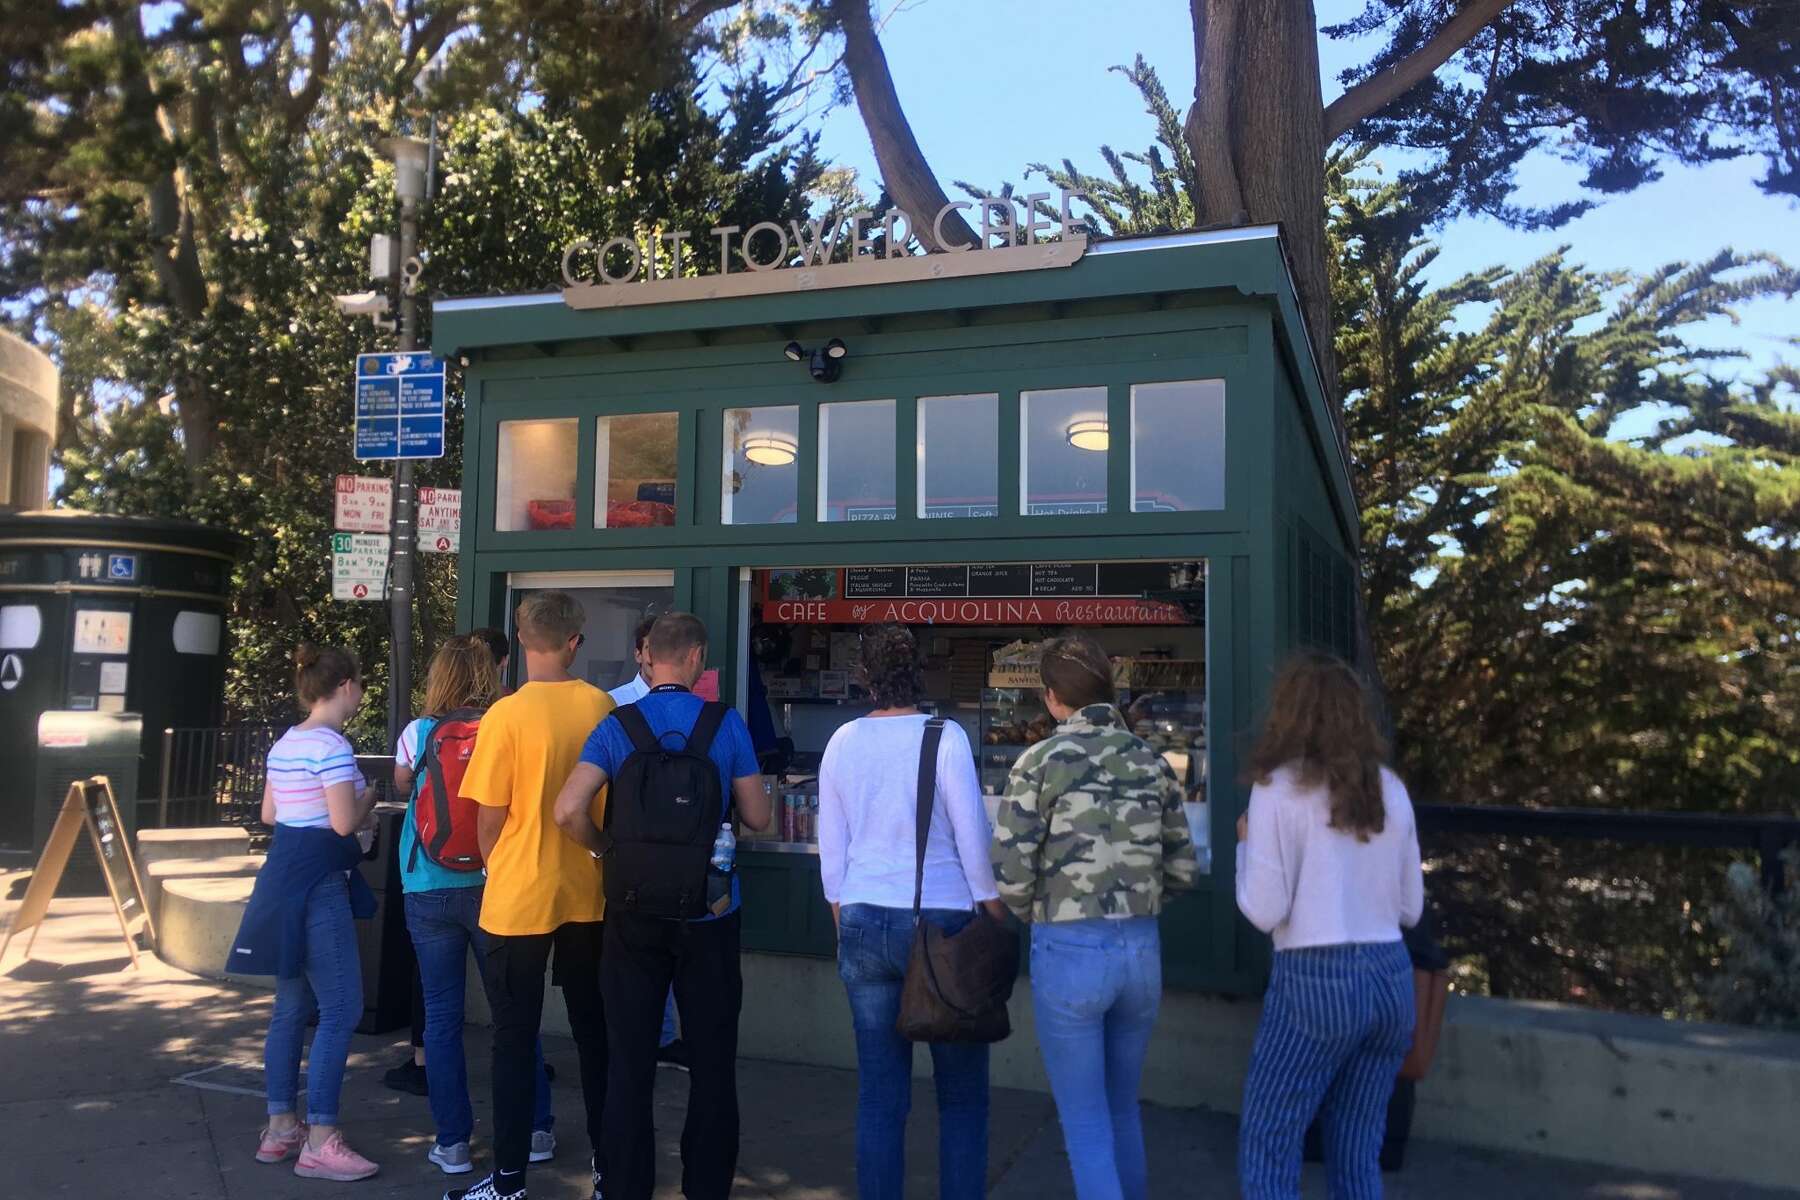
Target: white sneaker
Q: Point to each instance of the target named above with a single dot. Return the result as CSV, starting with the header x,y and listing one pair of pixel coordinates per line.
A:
x,y
543,1145
452,1160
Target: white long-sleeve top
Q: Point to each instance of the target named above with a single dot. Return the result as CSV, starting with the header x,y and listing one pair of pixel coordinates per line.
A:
x,y
1311,885
868,802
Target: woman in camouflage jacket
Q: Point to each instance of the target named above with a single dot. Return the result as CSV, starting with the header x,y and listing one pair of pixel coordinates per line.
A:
x,y
1091,832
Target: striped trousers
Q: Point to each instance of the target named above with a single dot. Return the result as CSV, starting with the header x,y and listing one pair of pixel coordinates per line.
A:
x,y
1336,1023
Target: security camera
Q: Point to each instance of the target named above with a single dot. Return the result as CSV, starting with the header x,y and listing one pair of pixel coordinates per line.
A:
x,y
362,304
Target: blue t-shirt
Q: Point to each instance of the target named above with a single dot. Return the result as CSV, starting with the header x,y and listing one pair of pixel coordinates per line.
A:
x,y
670,715
417,872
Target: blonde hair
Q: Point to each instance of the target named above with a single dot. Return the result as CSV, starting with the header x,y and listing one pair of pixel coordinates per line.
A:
x,y
462,675
547,620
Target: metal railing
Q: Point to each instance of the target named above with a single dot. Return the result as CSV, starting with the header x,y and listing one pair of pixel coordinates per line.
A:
x,y
214,775
1611,909
1767,836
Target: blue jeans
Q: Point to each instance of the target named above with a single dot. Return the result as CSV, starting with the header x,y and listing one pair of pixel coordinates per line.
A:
x,y
873,946
443,925
1336,1023
331,987
1095,989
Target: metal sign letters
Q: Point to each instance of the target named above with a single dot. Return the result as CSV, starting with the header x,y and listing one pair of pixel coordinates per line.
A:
x,y
1013,234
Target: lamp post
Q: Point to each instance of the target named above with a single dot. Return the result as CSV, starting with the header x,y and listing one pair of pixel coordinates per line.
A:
x,y
410,157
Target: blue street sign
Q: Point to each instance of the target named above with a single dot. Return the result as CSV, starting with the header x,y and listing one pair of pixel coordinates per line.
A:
x,y
399,406
121,568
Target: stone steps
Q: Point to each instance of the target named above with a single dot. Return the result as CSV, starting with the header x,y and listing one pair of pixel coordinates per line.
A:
x,y
199,918
158,874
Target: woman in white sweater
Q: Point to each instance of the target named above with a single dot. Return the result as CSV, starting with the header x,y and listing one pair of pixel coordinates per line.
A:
x,y
1328,864
868,814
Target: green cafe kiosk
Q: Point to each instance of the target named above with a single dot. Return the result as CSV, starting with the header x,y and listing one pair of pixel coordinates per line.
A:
x,y
986,443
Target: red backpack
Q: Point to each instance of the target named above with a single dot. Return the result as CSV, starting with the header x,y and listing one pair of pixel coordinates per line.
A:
x,y
442,815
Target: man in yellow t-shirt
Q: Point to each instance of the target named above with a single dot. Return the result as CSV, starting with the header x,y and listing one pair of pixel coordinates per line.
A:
x,y
543,891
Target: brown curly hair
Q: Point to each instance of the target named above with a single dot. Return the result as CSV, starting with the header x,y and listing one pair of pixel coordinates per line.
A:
x,y
1321,723
889,665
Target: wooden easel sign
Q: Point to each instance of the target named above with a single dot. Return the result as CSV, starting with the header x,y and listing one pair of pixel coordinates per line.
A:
x,y
90,804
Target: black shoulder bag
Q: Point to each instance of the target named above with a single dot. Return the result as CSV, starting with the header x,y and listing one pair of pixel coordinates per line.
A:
x,y
957,984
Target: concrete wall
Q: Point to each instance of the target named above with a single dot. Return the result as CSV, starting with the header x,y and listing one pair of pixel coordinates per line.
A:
x,y
1638,1092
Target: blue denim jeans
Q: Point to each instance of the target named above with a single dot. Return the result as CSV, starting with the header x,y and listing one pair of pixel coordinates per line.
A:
x,y
444,925
332,988
873,946
1095,989
1336,1023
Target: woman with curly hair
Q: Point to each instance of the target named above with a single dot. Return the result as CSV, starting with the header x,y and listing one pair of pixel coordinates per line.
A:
x,y
1328,863
868,808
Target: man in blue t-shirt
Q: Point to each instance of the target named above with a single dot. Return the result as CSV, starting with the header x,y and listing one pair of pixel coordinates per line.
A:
x,y
642,956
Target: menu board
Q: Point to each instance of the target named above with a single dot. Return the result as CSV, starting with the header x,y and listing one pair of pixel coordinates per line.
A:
x,y
1013,580
1065,579
1049,581
874,583
937,581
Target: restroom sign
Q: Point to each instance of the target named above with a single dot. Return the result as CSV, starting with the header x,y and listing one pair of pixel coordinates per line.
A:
x,y
359,566
122,568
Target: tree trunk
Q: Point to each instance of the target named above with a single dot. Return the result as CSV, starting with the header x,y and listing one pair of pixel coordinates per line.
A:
x,y
1258,139
908,176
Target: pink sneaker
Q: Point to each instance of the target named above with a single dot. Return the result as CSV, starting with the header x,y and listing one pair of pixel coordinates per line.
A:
x,y
335,1160
279,1147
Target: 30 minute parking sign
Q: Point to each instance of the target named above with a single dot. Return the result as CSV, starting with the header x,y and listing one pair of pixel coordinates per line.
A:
x,y
399,406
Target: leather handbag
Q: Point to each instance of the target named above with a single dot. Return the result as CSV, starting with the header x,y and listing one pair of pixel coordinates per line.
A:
x,y
1431,990
957,984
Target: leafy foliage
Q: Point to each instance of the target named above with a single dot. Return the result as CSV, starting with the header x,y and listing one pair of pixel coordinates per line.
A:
x,y
277,188
1759,983
1581,564
1616,86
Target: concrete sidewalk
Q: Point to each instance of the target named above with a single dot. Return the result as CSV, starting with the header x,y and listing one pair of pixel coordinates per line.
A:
x,y
91,1054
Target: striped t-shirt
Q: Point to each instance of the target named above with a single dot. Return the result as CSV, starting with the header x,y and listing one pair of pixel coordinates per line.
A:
x,y
302,764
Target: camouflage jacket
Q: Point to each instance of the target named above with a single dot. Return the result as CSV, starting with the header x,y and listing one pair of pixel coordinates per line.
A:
x,y
1091,825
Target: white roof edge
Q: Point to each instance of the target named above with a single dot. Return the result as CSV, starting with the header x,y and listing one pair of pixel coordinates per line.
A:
x,y
477,303
1201,237
1196,237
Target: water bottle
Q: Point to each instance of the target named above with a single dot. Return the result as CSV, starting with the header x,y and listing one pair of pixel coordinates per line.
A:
x,y
718,877
724,849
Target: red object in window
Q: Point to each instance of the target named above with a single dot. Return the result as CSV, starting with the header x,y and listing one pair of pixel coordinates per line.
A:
x,y
550,514
638,514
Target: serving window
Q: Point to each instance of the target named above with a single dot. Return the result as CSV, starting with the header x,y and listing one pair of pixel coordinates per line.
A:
x,y
980,630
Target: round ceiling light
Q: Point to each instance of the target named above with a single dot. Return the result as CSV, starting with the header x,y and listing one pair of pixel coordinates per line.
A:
x,y
770,449
1089,434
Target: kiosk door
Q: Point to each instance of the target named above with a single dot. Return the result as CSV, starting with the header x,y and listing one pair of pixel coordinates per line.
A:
x,y
615,602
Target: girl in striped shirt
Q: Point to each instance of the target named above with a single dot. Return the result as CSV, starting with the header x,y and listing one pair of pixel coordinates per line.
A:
x,y
315,799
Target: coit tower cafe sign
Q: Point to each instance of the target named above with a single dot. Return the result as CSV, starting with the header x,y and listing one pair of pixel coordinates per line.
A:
x,y
657,267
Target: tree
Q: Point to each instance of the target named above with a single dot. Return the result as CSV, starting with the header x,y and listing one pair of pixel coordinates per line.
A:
x,y
517,182
1581,562
1617,85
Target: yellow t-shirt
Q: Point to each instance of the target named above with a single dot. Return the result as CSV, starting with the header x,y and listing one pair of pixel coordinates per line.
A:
x,y
537,877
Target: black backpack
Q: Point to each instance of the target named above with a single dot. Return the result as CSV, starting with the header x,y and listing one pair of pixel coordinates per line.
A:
x,y
663,812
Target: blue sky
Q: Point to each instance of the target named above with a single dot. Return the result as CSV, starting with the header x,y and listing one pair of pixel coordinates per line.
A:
x,y
991,85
